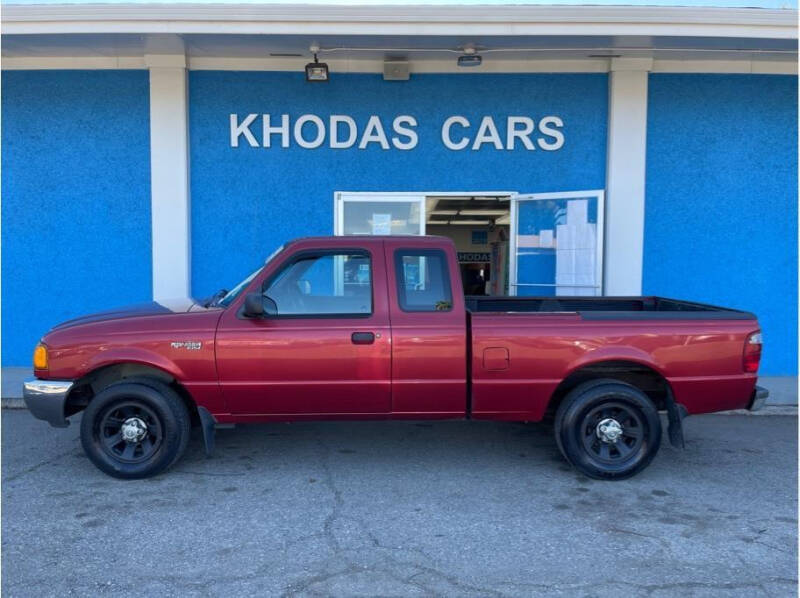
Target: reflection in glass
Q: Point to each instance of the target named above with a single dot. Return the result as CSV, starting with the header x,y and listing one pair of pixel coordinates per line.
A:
x,y
381,218
557,247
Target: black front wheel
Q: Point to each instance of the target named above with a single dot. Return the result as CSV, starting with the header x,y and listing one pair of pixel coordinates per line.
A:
x,y
608,429
135,429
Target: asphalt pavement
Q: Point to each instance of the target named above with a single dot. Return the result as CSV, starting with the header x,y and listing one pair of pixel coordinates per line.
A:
x,y
403,509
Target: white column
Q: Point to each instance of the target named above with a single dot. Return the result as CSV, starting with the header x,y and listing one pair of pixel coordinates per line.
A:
x,y
169,168
625,175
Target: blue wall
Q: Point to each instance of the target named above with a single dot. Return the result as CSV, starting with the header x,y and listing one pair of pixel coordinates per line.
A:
x,y
721,209
76,199
246,201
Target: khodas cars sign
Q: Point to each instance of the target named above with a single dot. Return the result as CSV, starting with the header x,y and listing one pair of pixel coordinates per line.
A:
x,y
340,131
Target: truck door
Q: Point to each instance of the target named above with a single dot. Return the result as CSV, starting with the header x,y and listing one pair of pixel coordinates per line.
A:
x,y
429,334
325,349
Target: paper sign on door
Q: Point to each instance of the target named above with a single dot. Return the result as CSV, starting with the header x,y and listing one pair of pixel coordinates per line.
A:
x,y
381,224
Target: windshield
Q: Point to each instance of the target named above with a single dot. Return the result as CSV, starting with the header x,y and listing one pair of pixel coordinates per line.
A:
x,y
236,291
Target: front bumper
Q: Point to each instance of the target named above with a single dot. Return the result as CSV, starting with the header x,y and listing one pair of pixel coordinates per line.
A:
x,y
46,399
760,395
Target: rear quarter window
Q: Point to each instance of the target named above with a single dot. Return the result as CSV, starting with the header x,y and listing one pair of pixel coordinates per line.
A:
x,y
423,280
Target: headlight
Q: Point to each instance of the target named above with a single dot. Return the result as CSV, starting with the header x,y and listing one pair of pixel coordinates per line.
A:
x,y
40,357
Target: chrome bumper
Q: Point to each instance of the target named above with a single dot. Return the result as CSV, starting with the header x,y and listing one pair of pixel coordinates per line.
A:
x,y
46,399
760,395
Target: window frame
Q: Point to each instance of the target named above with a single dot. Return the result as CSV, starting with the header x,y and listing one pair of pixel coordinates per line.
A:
x,y
399,253
317,253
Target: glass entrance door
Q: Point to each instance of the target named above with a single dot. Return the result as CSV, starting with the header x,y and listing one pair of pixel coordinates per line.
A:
x,y
379,214
557,244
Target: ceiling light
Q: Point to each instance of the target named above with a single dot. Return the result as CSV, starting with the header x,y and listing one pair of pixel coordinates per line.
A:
x,y
443,212
316,71
471,222
483,212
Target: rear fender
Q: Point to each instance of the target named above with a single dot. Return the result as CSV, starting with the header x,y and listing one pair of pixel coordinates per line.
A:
x,y
614,353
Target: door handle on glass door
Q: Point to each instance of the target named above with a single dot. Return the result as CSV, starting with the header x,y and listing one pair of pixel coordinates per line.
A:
x,y
362,338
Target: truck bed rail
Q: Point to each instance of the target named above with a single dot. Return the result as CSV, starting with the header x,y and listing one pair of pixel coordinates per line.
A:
x,y
608,308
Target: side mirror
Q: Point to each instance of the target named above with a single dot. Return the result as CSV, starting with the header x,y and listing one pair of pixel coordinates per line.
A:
x,y
270,308
254,305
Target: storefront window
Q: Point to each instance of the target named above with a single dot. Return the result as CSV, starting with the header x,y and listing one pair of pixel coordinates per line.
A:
x,y
379,214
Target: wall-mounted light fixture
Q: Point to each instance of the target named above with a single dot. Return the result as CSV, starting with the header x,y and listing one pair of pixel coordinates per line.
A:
x,y
395,69
316,71
470,58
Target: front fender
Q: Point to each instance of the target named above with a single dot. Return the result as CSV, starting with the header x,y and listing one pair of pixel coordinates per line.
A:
x,y
135,355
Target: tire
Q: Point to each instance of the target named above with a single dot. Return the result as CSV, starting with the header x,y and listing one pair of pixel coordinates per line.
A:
x,y
607,429
149,409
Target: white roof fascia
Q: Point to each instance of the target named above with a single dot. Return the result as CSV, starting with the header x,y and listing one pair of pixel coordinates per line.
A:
x,y
412,20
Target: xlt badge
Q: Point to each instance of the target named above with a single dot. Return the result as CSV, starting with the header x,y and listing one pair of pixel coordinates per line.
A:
x,y
190,345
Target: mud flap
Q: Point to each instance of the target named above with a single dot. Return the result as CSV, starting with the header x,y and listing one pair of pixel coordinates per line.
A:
x,y
675,414
208,424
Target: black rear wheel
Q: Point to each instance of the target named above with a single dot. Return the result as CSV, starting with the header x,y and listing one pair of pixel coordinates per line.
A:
x,y
608,429
135,429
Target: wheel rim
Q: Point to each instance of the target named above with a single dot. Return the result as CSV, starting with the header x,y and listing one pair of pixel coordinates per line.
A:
x,y
129,432
613,433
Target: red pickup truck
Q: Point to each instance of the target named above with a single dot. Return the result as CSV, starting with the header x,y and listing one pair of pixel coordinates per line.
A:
x,y
377,328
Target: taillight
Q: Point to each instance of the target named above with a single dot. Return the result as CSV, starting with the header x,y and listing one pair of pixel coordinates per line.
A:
x,y
752,352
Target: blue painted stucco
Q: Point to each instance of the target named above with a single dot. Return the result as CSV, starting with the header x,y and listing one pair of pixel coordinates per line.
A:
x,y
76,199
246,200
721,207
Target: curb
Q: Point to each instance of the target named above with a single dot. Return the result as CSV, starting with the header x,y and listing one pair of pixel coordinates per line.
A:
x,y
766,410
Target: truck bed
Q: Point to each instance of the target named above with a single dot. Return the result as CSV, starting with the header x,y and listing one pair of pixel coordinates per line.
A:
x,y
607,308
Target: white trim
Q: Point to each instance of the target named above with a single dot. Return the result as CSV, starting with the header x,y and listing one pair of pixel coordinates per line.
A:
x,y
169,182
41,63
400,20
420,66
165,61
761,67
625,180
779,66
512,246
512,243
631,63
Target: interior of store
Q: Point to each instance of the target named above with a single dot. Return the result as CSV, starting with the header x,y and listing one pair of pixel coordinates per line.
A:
x,y
479,226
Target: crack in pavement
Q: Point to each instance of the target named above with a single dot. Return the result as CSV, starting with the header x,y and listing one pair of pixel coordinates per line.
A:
x,y
40,464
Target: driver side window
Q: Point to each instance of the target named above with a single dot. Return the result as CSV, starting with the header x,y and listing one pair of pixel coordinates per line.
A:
x,y
325,284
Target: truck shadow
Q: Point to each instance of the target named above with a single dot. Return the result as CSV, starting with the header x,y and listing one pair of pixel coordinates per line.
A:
x,y
473,445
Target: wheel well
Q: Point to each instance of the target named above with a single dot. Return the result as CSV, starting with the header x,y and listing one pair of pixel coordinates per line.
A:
x,y
645,378
95,381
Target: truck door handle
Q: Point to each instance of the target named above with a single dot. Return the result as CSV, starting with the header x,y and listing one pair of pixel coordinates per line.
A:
x,y
362,338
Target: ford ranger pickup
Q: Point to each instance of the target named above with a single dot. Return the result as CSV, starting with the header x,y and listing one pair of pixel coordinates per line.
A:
x,y
366,328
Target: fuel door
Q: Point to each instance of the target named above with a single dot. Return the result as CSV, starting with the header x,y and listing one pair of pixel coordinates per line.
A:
x,y
495,358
